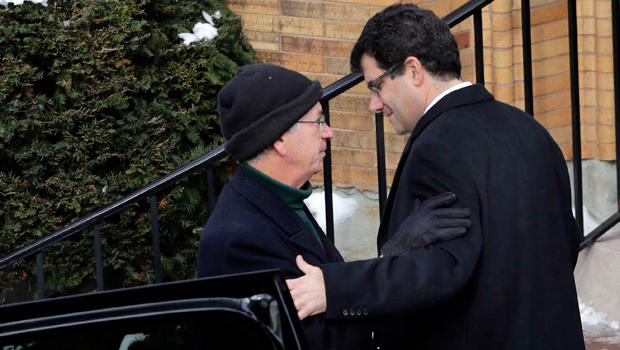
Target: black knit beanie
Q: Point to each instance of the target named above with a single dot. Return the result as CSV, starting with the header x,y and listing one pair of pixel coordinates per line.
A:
x,y
260,104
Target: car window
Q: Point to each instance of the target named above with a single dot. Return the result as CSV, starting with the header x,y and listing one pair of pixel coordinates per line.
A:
x,y
217,328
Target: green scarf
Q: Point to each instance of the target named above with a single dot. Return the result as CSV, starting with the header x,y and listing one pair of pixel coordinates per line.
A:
x,y
293,197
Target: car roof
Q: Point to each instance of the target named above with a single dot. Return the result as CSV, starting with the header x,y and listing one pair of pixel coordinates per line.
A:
x,y
233,298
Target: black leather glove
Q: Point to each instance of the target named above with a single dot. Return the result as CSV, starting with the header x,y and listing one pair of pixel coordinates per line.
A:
x,y
428,223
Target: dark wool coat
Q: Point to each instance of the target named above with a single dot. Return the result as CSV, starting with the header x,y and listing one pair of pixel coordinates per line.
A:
x,y
508,283
252,229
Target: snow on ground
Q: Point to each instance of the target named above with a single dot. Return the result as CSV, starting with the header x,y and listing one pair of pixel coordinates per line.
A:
x,y
596,324
591,318
598,330
344,208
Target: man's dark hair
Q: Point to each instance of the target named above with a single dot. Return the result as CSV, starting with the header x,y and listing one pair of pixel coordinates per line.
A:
x,y
404,30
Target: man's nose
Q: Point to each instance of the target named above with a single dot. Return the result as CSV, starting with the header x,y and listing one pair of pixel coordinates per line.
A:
x,y
375,104
327,132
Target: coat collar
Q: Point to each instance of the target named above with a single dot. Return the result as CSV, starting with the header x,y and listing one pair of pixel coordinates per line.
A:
x,y
280,213
461,97
465,96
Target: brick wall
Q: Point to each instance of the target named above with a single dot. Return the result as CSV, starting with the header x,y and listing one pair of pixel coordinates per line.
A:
x,y
316,37
551,70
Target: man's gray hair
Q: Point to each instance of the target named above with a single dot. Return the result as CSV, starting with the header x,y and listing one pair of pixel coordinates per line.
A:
x,y
262,153
294,128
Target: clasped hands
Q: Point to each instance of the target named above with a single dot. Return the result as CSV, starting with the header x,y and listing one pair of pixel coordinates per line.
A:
x,y
429,222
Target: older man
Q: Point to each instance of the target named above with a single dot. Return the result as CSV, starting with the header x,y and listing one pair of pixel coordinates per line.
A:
x,y
273,123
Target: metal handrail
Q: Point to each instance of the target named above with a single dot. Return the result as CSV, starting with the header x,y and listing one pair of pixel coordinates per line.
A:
x,y
600,230
92,218
467,9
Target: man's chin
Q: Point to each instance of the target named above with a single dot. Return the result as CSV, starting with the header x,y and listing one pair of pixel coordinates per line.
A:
x,y
401,132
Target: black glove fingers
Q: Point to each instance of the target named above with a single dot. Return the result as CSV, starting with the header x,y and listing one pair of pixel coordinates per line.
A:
x,y
439,201
446,234
453,222
451,213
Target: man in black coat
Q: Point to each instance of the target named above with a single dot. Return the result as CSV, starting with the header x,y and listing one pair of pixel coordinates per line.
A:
x,y
508,283
273,124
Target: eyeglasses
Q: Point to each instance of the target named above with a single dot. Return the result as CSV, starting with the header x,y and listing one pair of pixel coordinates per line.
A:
x,y
320,121
372,86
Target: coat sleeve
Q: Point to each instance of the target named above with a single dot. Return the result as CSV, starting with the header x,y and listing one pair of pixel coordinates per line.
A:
x,y
235,251
426,276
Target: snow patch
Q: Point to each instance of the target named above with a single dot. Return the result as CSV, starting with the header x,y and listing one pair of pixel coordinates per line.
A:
x,y
344,208
202,31
590,317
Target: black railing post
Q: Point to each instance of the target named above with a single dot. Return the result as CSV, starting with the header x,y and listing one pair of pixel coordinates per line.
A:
x,y
155,234
327,180
478,49
40,276
527,57
600,230
575,109
98,256
139,195
381,173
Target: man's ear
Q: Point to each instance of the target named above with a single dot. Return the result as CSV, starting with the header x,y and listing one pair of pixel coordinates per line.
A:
x,y
414,68
280,146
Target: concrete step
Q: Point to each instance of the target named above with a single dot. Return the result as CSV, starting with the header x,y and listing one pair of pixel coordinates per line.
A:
x,y
597,276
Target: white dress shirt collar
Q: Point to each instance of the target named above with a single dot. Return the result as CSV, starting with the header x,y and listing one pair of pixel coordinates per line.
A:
x,y
447,91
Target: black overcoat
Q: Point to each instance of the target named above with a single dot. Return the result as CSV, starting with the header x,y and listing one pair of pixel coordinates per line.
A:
x,y
252,229
508,283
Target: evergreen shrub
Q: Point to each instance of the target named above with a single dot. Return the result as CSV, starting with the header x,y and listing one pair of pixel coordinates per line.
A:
x,y
97,99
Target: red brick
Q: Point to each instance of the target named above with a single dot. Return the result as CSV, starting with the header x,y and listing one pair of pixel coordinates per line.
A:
x,y
550,102
549,84
548,13
606,134
301,63
267,7
553,119
462,40
354,157
296,25
606,116
302,45
607,151
343,30
350,103
352,121
337,66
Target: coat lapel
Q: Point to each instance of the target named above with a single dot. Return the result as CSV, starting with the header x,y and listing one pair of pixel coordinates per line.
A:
x,y
333,255
279,212
467,95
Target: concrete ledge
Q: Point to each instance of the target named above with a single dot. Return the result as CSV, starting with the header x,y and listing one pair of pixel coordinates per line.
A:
x,y
597,274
